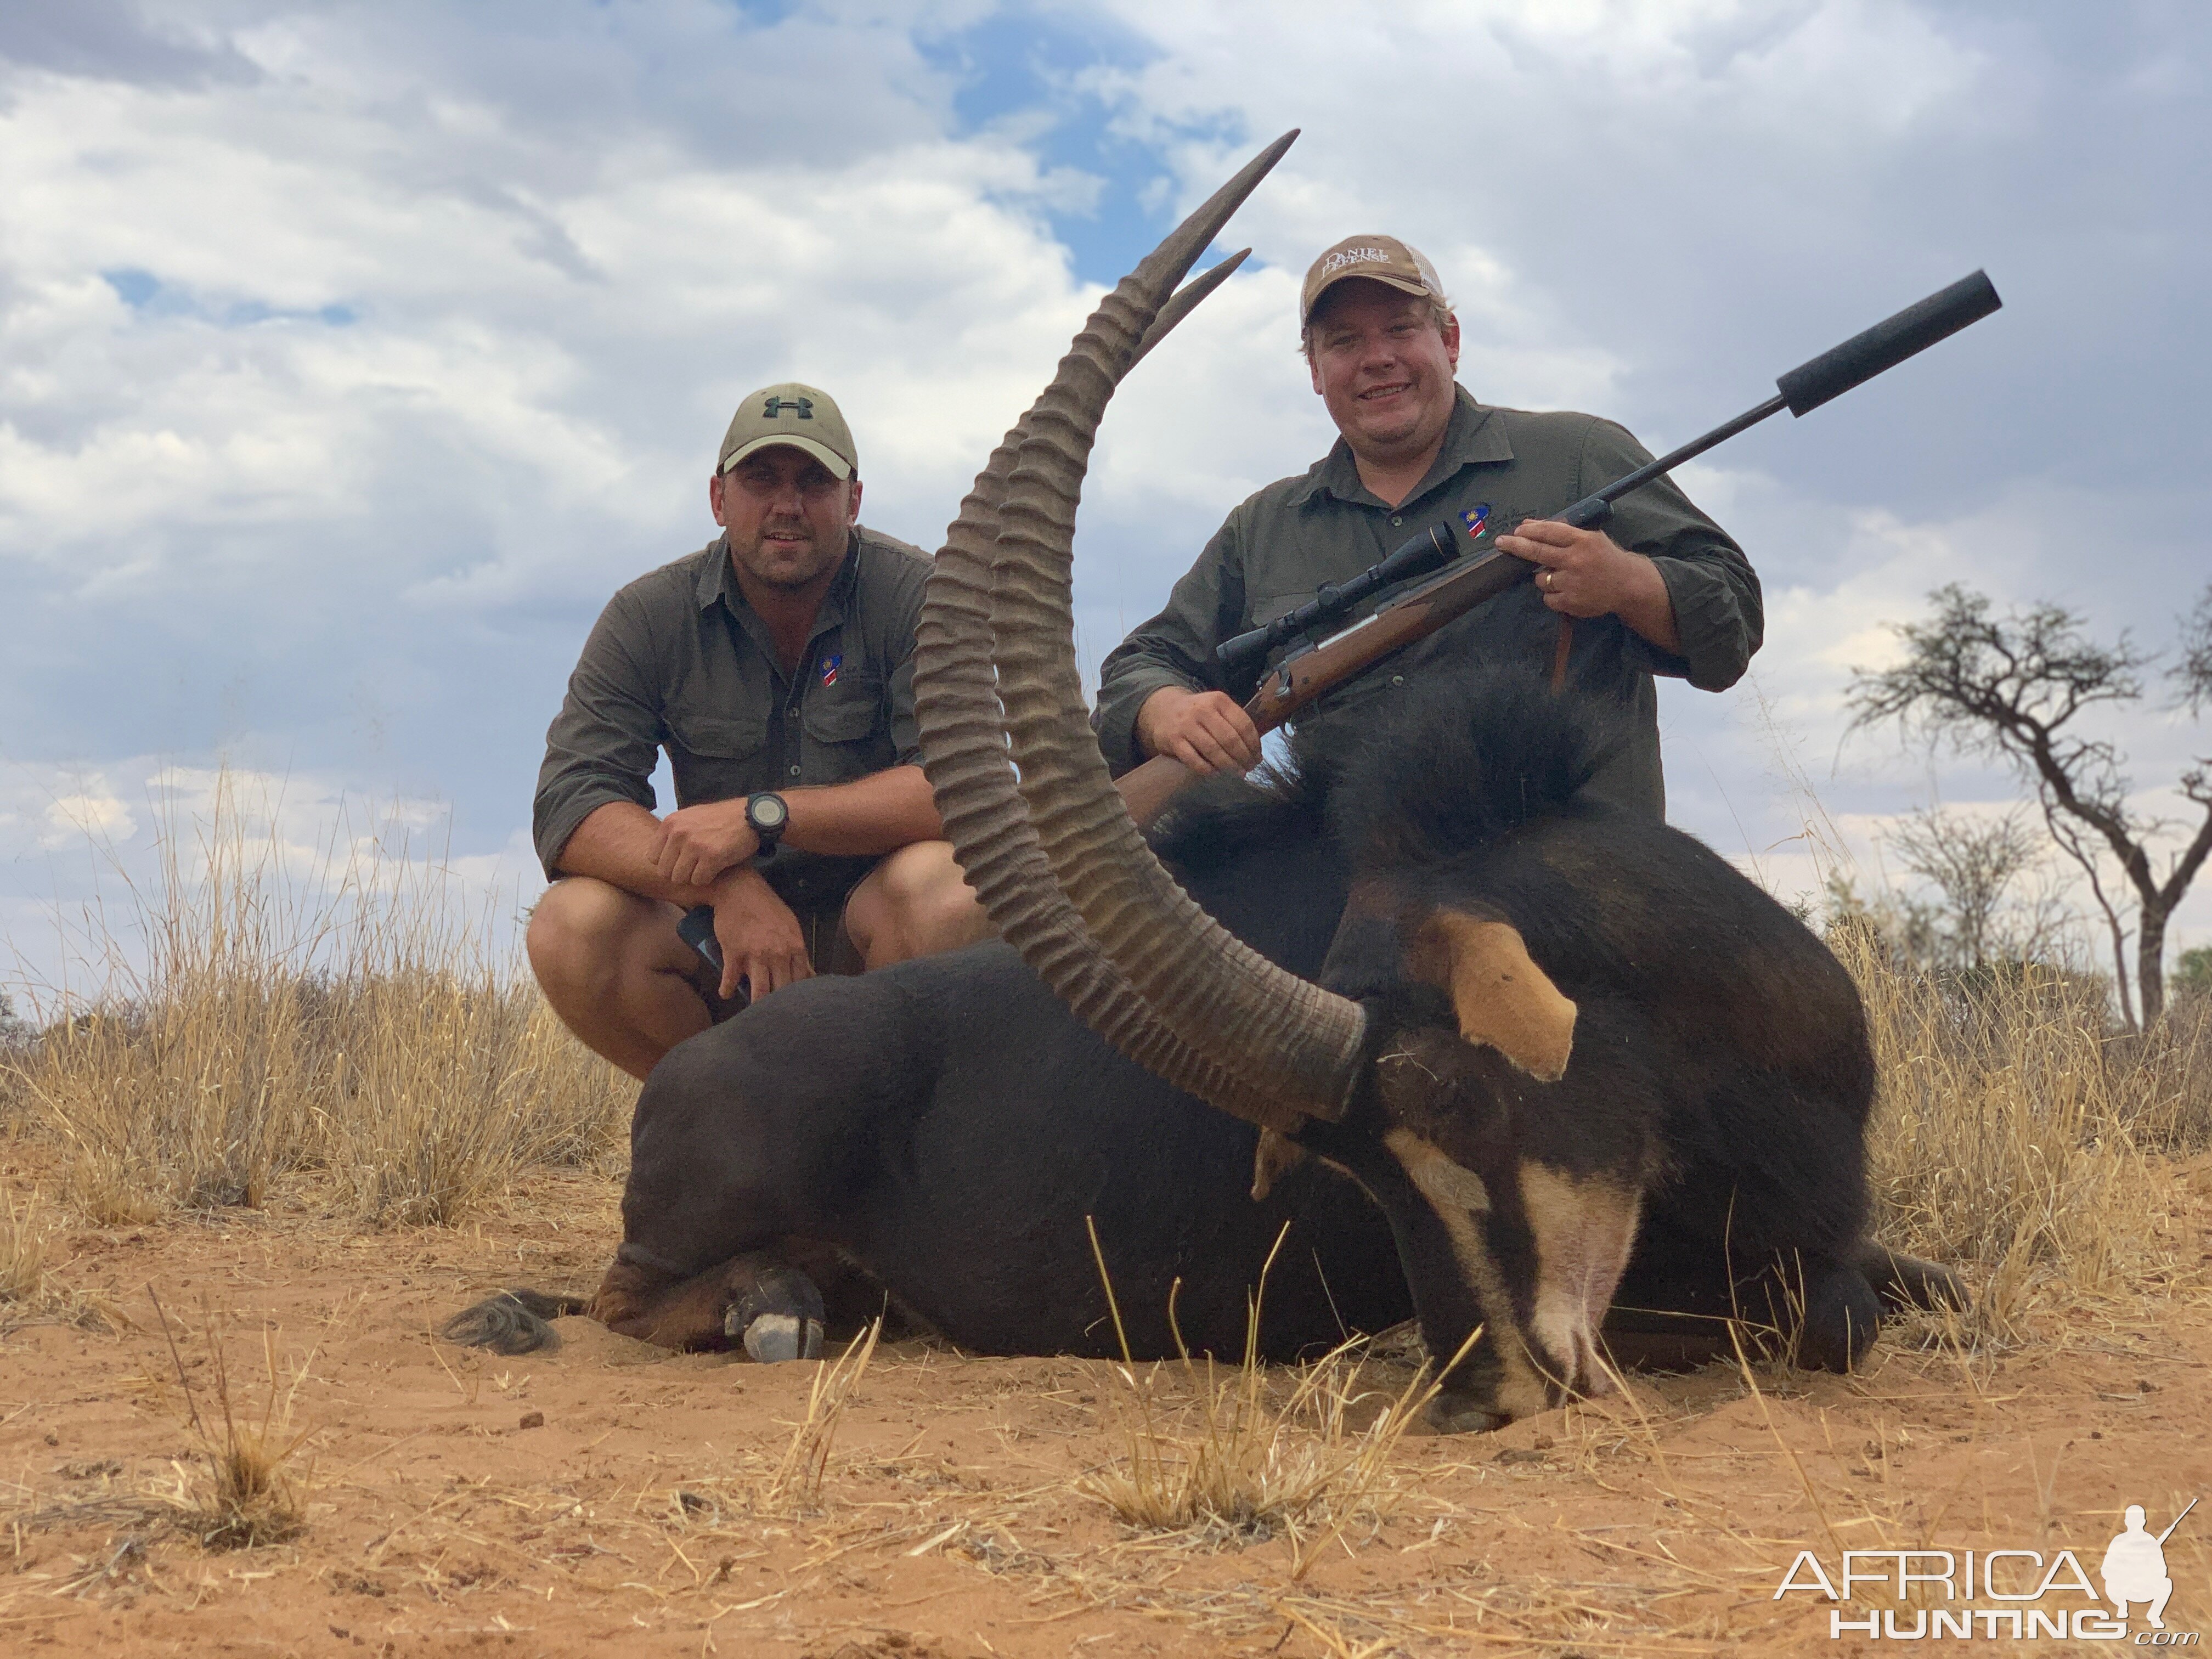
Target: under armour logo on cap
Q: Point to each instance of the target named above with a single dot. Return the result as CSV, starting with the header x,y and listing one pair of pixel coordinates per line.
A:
x,y
765,420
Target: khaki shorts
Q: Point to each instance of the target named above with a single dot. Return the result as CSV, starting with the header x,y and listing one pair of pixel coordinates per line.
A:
x,y
829,946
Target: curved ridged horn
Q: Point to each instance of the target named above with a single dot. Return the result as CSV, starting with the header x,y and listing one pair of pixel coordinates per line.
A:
x,y
1278,1035
964,753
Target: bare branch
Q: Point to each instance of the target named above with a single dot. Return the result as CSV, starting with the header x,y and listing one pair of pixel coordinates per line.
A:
x,y
1971,862
2193,672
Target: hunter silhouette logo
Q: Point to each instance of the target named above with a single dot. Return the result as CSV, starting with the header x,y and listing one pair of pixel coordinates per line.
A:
x,y
2135,1567
776,405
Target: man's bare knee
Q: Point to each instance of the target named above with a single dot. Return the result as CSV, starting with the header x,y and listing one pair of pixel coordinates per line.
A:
x,y
612,966
578,927
915,903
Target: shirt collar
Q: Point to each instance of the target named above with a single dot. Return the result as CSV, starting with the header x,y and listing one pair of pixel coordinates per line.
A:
x,y
1471,437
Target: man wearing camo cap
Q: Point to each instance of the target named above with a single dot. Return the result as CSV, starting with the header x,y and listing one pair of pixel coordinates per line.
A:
x,y
774,667
1659,590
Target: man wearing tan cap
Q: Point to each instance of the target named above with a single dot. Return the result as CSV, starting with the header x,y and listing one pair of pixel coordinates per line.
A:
x,y
1660,590
774,667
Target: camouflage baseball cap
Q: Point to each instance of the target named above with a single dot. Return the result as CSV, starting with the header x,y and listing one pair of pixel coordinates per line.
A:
x,y
1380,259
803,417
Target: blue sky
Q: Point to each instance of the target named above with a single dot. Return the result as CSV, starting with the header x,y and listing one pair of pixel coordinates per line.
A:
x,y
350,355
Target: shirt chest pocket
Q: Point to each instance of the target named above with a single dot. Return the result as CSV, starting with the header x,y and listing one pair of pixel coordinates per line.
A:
x,y
851,711
716,756
712,737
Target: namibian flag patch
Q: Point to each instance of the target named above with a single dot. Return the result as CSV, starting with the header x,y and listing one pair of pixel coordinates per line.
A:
x,y
1475,517
829,667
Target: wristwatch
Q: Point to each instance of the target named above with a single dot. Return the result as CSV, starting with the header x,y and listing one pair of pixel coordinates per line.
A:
x,y
768,813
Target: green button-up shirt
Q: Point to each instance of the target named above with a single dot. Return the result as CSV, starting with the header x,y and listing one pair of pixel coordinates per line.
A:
x,y
1276,549
679,660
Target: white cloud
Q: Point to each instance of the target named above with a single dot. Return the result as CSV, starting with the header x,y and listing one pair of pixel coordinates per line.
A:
x,y
91,812
123,851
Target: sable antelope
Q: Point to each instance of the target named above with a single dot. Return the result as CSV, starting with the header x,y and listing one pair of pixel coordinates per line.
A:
x,y
1538,1068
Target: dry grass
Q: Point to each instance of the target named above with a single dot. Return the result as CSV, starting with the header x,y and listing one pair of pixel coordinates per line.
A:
x,y
2012,1132
797,1482
241,1492
1243,1455
2165,1076
348,1018
381,1046
24,1241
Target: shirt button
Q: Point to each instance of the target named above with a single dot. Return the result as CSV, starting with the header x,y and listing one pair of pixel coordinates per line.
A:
x,y
1397,679
795,771
1396,519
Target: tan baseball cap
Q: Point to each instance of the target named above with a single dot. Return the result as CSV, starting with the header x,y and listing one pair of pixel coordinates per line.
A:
x,y
802,416
1378,258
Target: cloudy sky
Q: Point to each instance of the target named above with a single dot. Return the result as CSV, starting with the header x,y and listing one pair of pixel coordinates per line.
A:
x,y
350,355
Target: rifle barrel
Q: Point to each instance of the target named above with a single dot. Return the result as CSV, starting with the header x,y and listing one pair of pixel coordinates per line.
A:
x,y
1697,446
2178,1520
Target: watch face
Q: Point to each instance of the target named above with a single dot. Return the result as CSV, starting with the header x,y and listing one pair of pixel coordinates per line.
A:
x,y
767,811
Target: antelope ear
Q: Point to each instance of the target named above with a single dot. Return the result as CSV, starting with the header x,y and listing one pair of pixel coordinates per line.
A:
x,y
1502,997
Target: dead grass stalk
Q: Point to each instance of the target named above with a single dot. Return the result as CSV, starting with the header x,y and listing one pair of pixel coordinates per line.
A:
x,y
24,1243
244,1494
797,1482
2006,1139
1234,1458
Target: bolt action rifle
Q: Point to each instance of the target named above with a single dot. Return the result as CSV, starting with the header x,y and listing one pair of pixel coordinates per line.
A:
x,y
1318,666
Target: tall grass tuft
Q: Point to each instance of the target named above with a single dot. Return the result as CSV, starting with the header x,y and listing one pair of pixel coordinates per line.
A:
x,y
2011,1130
24,1243
341,1012
243,1493
1228,1458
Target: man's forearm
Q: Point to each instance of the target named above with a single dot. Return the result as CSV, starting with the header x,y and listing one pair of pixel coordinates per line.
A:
x,y
879,813
623,844
619,843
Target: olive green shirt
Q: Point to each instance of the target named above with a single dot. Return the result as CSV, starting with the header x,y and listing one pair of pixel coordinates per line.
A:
x,y
679,660
1275,551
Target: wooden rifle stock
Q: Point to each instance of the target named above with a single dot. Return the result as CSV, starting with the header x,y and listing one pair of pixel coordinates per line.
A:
x,y
1305,675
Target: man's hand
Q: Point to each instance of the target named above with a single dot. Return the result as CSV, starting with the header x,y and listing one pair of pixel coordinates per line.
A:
x,y
1207,731
761,941
699,843
1585,572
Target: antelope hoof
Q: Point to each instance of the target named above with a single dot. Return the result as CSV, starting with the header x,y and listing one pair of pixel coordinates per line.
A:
x,y
1461,1413
774,1338
780,1318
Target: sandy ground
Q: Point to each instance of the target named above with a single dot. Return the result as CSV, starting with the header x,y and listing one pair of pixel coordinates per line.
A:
x,y
607,1499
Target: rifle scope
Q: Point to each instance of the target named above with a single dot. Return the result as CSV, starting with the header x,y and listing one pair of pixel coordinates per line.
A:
x,y
1426,552
1802,390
